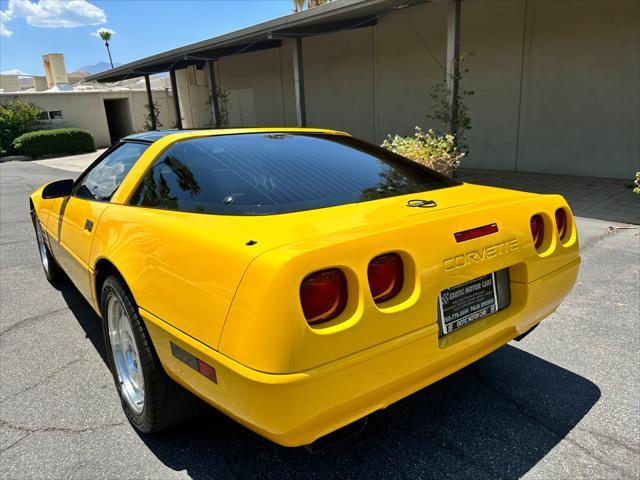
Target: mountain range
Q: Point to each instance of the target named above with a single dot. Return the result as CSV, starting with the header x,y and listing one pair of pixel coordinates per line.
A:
x,y
80,72
95,68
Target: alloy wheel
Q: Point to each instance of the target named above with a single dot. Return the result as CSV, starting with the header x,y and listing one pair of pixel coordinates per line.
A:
x,y
126,356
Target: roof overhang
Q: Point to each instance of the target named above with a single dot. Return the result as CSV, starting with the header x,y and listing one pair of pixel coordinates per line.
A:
x,y
338,15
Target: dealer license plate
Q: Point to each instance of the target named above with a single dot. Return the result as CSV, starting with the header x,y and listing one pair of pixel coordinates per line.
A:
x,y
468,302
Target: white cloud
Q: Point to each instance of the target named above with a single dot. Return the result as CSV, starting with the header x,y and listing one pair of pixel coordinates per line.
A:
x,y
4,18
51,14
15,71
101,29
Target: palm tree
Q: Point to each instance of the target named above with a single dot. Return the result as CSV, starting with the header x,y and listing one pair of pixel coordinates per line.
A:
x,y
106,36
299,5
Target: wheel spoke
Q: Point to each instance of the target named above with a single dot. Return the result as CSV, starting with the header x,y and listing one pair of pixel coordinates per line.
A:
x,y
126,357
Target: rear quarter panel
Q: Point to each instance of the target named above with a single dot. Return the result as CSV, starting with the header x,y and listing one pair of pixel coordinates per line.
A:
x,y
183,268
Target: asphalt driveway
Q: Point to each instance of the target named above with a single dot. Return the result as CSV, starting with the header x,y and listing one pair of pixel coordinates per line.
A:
x,y
562,404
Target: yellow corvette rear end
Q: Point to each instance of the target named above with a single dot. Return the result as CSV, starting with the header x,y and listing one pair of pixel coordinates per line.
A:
x,y
299,280
293,382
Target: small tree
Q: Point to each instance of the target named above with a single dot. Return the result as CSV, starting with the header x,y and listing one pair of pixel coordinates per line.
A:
x,y
223,107
105,35
153,117
16,118
442,108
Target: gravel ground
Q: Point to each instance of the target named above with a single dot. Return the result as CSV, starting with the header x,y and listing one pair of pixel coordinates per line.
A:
x,y
561,404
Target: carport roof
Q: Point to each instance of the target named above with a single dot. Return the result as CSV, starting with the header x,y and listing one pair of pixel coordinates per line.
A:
x,y
331,17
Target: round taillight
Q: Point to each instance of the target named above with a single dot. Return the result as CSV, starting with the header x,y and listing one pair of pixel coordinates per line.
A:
x,y
386,276
561,222
323,295
537,230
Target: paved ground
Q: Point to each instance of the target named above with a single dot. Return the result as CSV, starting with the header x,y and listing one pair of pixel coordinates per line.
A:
x,y
73,163
562,404
602,198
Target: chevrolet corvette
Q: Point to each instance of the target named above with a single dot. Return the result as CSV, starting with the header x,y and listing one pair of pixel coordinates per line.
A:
x,y
295,279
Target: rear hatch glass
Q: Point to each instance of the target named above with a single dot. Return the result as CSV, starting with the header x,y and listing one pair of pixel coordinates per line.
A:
x,y
271,173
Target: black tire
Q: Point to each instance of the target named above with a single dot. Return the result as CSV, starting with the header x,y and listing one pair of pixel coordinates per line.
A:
x,y
52,270
165,402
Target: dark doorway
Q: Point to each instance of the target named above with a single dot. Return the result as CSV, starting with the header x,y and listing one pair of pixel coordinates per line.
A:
x,y
118,118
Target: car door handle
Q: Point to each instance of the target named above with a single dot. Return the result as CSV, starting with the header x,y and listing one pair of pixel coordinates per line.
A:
x,y
88,225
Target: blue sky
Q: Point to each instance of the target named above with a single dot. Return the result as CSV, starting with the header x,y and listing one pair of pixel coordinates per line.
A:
x,y
31,28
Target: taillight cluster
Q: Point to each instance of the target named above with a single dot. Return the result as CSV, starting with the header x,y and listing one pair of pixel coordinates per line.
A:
x,y
386,277
562,223
324,294
538,228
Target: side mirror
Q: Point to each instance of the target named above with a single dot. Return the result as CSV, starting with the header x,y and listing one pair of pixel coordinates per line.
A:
x,y
61,188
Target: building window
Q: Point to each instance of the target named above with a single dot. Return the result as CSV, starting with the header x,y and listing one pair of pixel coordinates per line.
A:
x,y
44,116
55,115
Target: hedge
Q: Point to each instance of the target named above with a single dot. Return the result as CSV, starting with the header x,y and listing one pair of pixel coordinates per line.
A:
x,y
54,142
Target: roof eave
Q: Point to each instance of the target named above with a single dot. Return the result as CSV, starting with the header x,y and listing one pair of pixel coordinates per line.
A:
x,y
254,33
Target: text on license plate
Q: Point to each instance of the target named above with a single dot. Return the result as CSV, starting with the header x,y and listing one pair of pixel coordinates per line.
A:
x,y
468,302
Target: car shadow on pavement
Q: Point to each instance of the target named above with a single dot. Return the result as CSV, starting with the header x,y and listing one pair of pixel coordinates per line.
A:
x,y
85,315
496,418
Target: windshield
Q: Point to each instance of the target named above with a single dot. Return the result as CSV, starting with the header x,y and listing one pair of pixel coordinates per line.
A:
x,y
104,178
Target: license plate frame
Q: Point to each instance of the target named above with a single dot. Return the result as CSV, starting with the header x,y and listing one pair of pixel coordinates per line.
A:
x,y
469,302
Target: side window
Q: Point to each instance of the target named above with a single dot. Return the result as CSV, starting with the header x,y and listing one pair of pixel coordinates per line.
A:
x,y
176,181
102,181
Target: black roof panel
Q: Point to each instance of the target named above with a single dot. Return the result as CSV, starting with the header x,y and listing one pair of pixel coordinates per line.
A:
x,y
152,136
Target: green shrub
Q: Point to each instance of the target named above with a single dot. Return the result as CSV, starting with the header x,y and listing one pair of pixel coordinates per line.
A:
x,y
54,142
438,152
637,184
16,117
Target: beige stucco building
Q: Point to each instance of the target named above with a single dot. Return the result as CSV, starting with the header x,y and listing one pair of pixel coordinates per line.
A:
x,y
35,83
108,114
9,83
556,82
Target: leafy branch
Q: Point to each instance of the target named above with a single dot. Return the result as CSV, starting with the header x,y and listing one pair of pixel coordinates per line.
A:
x,y
442,107
152,118
223,106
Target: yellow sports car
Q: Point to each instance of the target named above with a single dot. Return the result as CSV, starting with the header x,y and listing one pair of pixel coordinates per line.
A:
x,y
295,279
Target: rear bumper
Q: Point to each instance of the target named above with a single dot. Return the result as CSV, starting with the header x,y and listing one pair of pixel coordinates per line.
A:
x,y
297,408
